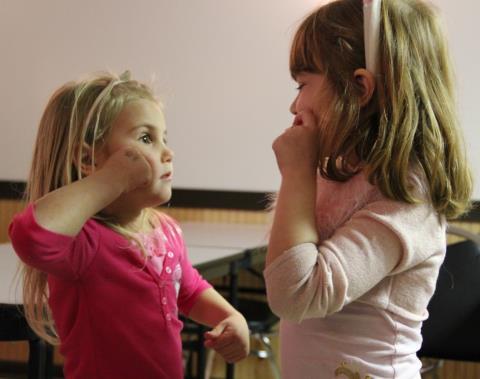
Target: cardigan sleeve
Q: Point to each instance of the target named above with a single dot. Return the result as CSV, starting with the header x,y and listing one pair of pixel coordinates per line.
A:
x,y
63,256
383,238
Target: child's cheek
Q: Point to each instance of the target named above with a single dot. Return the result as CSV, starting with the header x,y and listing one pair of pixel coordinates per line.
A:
x,y
150,158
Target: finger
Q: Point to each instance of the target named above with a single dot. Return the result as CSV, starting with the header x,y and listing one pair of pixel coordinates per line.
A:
x,y
234,357
230,358
230,350
149,159
131,153
222,344
215,332
234,350
209,344
308,118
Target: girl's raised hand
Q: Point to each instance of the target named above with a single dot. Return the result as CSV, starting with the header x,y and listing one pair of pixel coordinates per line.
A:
x,y
131,167
297,147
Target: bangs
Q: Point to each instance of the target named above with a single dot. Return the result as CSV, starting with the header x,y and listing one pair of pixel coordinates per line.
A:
x,y
306,48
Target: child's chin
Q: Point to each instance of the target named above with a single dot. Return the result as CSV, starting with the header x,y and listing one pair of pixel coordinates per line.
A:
x,y
161,198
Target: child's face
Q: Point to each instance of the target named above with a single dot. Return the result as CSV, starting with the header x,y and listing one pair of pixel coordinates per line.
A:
x,y
314,95
141,125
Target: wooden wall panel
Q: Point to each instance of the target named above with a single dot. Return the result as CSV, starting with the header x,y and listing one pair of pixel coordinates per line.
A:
x,y
7,209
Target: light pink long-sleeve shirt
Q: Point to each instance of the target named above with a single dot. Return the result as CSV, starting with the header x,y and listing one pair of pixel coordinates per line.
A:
x,y
356,302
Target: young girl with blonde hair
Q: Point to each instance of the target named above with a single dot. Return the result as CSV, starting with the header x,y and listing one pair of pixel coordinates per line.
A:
x,y
371,168
105,273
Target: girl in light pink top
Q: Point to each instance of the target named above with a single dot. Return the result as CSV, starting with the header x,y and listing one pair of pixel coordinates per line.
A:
x,y
372,167
106,274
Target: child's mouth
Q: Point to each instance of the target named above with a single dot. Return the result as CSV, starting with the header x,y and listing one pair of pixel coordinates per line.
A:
x,y
297,121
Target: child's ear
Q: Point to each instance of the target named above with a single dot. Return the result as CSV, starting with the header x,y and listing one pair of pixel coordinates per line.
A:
x,y
86,165
367,81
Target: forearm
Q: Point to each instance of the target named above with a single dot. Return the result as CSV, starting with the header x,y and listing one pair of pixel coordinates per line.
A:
x,y
66,209
211,308
294,219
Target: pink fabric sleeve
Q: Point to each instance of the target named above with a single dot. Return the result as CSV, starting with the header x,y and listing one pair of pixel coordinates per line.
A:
x,y
193,285
382,239
63,256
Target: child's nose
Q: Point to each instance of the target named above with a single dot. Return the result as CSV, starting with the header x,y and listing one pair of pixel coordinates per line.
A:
x,y
293,107
167,155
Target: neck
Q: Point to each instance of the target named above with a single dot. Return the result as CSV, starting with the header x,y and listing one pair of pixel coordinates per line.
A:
x,y
132,219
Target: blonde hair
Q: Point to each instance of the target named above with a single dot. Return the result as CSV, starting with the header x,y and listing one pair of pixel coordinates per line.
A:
x,y
78,116
411,120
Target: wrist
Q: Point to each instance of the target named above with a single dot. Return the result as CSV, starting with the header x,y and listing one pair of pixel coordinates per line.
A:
x,y
301,174
299,171
237,314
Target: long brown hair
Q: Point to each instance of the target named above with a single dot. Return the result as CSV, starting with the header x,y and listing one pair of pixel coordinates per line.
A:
x,y
411,120
78,116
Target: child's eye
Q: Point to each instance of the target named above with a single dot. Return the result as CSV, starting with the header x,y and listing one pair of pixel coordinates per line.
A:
x,y
300,86
145,138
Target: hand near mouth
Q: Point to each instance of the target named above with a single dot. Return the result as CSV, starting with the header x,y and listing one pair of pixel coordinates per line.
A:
x,y
297,147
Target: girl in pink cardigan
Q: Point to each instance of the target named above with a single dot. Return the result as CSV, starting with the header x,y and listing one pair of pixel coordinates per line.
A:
x,y
371,168
105,273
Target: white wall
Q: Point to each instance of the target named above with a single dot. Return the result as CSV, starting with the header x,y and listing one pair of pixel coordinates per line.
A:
x,y
220,66
462,23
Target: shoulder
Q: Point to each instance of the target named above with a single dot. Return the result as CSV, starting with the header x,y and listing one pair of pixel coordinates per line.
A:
x,y
378,202
402,215
419,227
413,213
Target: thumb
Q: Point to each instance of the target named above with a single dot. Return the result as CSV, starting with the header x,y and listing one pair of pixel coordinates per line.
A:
x,y
307,118
215,332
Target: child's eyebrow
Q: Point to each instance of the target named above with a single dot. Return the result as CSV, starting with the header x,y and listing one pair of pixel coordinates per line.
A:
x,y
299,75
151,128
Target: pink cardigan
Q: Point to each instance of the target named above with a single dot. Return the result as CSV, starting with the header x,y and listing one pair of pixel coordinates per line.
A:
x,y
355,303
116,316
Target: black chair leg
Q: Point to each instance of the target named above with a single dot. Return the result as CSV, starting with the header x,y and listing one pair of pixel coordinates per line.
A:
x,y
37,355
40,361
201,356
49,367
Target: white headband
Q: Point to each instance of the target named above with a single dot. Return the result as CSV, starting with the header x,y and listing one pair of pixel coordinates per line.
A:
x,y
371,30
